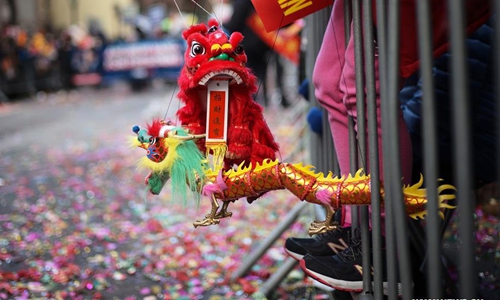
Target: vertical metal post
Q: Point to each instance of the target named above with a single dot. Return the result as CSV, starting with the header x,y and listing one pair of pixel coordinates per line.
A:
x,y
382,73
382,39
353,157
496,45
392,165
429,127
382,42
361,135
372,119
462,142
360,82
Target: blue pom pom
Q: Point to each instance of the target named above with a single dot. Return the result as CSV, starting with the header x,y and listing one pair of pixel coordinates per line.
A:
x,y
315,120
136,129
304,89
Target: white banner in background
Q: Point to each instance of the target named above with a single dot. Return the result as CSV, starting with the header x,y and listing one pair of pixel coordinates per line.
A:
x,y
143,55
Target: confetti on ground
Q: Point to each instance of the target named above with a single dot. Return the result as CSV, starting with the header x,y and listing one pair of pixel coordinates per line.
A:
x,y
77,223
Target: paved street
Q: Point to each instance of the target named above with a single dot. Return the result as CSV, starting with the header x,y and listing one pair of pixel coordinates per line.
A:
x,y
76,222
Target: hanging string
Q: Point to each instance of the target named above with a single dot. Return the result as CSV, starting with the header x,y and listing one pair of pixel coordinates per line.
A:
x,y
214,15
187,26
170,102
211,15
175,88
267,64
180,12
221,12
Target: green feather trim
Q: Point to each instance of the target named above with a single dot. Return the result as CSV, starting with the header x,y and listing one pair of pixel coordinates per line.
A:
x,y
187,171
157,181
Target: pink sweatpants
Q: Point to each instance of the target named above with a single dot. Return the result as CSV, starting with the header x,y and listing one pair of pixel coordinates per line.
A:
x,y
335,84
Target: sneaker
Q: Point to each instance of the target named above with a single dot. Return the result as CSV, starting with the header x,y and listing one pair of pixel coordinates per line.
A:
x,y
324,244
343,271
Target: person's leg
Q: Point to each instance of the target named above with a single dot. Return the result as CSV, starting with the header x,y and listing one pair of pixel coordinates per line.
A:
x,y
326,79
334,78
348,89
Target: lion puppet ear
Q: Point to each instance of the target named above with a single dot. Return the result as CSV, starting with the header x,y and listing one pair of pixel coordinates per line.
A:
x,y
213,22
201,28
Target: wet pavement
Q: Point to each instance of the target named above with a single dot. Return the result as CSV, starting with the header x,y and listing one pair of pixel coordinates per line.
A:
x,y
77,223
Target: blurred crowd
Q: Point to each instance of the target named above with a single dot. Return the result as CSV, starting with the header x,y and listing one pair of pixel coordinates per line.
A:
x,y
49,60
45,60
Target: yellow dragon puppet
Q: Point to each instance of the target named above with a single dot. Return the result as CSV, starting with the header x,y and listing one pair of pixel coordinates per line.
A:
x,y
248,166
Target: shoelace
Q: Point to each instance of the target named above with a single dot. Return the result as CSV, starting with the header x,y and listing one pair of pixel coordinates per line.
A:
x,y
353,251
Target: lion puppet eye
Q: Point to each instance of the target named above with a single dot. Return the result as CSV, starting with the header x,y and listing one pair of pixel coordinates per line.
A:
x,y
239,50
196,49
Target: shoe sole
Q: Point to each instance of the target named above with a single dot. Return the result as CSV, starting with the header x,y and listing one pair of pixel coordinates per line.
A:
x,y
348,286
294,255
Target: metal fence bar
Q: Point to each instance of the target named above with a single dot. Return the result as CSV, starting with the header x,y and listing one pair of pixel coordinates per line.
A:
x,y
462,142
361,136
496,45
392,165
429,126
353,156
382,42
382,39
269,241
371,98
274,281
381,7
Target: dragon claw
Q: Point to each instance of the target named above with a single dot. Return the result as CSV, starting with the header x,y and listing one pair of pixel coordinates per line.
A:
x,y
317,227
206,222
213,218
328,224
223,214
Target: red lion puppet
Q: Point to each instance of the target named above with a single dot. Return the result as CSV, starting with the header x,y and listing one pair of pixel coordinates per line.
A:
x,y
211,53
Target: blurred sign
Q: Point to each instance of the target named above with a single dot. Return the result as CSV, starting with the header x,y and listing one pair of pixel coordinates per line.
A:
x,y
278,13
145,54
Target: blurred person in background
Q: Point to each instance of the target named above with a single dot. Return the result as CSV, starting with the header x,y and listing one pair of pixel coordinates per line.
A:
x,y
257,50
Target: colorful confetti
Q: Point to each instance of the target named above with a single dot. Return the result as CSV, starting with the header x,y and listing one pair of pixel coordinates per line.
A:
x,y
77,223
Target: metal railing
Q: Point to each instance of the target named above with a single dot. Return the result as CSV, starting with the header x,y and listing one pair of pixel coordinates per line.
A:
x,y
408,244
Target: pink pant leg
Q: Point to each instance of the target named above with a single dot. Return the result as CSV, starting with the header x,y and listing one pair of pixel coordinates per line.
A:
x,y
348,89
334,80
326,79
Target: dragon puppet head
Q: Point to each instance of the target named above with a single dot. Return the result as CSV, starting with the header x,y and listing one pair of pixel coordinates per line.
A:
x,y
212,53
171,154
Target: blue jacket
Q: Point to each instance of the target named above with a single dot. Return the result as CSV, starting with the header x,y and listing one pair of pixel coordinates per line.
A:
x,y
482,108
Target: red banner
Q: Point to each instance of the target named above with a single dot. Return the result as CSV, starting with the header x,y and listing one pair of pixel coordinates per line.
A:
x,y
217,113
286,42
278,13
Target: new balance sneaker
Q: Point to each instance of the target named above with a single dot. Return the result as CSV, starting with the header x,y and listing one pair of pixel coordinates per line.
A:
x,y
343,271
323,244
